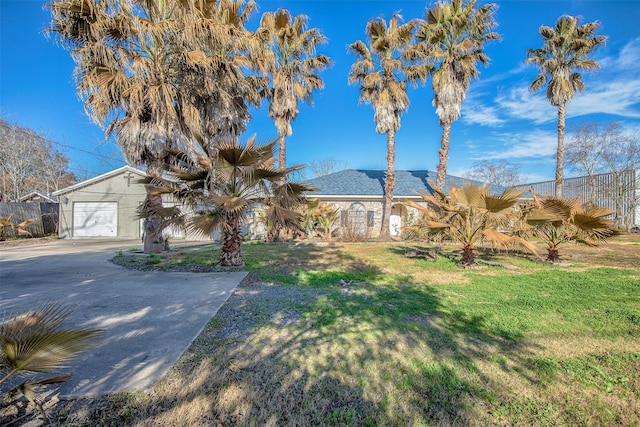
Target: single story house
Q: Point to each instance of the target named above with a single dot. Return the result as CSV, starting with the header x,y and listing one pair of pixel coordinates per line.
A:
x,y
359,195
36,196
104,206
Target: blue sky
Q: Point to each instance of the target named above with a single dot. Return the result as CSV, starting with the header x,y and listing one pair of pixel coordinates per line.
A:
x,y
500,119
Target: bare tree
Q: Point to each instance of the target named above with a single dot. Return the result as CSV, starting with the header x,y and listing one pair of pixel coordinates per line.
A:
x,y
622,161
497,172
29,162
609,157
327,166
584,151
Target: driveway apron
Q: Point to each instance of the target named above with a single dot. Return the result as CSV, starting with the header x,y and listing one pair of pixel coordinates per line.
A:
x,y
149,318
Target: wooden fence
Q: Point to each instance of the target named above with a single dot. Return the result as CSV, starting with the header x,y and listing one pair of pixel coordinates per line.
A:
x,y
44,215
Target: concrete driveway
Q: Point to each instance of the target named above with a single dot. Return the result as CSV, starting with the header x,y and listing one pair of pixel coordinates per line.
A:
x,y
149,318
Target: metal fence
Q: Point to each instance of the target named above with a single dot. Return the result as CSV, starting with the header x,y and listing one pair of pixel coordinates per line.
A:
x,y
618,192
44,215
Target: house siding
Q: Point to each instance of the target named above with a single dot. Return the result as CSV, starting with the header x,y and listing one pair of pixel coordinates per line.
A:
x,y
370,205
117,188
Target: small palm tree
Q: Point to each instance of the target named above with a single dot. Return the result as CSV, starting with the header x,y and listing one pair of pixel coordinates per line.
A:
x,y
469,215
21,228
292,66
223,185
33,342
453,37
319,214
5,223
564,53
558,221
383,73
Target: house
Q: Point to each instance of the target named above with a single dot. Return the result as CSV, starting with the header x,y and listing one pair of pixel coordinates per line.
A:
x,y
359,195
104,206
617,191
36,196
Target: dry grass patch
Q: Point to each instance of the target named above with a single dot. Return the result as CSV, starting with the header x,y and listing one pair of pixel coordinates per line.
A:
x,y
410,340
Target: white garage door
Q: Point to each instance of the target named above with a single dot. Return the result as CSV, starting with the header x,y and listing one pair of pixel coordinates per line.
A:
x,y
95,219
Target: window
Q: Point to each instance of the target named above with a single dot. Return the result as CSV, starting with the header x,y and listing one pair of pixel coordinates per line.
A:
x,y
370,218
356,218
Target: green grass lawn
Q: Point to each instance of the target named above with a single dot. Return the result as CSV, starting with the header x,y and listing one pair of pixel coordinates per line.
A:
x,y
410,341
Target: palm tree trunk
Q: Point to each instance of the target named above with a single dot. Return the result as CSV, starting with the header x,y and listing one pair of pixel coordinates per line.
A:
x,y
389,185
231,252
153,242
560,152
553,254
443,155
282,157
282,153
468,255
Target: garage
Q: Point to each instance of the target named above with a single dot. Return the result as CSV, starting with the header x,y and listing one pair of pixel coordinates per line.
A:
x,y
95,219
102,207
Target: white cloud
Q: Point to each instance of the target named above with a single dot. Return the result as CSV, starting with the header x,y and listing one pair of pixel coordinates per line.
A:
x,y
520,103
618,97
479,114
530,144
613,90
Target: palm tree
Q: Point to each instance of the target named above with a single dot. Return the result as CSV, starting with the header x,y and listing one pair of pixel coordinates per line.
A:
x,y
556,221
565,50
292,67
383,73
153,73
453,37
34,343
468,215
222,50
127,62
224,184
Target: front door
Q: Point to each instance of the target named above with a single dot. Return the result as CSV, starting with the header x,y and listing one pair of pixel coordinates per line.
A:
x,y
395,221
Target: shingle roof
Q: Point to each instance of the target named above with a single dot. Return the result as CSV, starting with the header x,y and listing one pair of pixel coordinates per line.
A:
x,y
357,182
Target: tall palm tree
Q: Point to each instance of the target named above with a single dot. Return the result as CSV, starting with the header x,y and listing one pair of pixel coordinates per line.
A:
x,y
292,66
156,72
453,37
222,50
564,52
383,73
127,62
224,184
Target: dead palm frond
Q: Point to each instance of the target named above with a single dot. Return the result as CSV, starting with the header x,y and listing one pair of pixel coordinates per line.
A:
x,y
22,227
34,342
468,215
5,223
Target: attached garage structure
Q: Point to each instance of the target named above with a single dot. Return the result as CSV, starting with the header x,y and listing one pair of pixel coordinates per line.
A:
x,y
103,207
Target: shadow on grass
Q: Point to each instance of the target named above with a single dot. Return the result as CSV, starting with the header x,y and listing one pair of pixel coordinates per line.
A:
x,y
314,352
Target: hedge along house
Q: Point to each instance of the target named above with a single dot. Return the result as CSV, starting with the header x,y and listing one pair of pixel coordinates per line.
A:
x,y
359,195
104,206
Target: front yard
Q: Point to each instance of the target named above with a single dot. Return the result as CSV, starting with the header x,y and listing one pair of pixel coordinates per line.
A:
x,y
376,334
